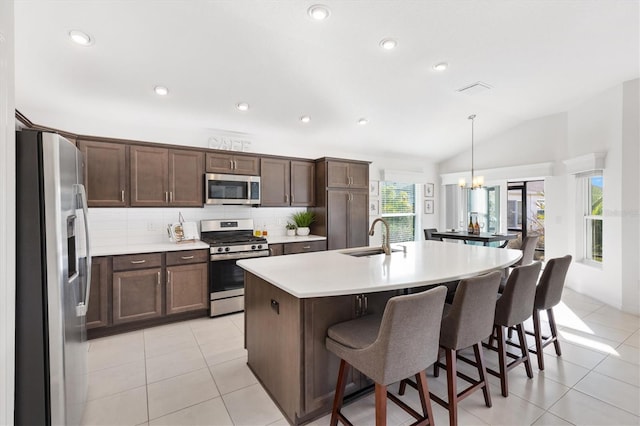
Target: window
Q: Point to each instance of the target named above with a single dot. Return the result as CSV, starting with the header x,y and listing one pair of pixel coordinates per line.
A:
x,y
399,210
593,219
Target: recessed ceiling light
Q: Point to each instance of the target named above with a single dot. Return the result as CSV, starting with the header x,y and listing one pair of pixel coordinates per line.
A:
x,y
80,37
362,121
242,106
305,119
388,43
161,90
319,12
441,66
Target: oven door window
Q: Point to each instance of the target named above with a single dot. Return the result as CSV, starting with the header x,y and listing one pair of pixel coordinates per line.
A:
x,y
225,275
228,190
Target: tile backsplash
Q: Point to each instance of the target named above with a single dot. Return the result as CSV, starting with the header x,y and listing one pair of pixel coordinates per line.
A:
x,y
114,226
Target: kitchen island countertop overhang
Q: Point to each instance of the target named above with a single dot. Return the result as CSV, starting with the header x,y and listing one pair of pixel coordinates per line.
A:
x,y
335,272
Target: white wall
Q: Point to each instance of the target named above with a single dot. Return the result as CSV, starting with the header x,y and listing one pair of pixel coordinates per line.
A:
x,y
608,122
7,213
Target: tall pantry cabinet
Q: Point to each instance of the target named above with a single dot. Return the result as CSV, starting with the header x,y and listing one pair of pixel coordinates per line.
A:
x,y
342,193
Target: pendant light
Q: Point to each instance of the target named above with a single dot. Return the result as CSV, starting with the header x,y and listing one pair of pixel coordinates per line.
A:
x,y
476,181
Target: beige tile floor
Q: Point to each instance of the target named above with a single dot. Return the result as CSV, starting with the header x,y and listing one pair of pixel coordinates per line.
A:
x,y
195,373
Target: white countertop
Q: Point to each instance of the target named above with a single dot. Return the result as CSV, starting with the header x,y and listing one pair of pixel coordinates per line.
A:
x,y
333,273
295,239
146,248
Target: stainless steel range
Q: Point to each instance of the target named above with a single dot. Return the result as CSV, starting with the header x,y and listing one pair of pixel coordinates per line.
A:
x,y
230,240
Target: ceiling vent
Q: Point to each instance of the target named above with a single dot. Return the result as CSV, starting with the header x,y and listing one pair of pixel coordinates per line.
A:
x,y
475,88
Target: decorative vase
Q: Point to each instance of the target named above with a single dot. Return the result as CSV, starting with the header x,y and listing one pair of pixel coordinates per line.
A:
x,y
303,230
291,232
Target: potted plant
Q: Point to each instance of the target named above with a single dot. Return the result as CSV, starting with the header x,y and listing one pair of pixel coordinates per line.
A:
x,y
302,220
291,229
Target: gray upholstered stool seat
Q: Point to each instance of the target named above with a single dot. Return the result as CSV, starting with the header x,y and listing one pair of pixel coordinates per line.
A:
x,y
466,323
401,343
512,309
548,295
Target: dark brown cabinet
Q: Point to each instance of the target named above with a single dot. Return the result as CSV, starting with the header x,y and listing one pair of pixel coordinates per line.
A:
x,y
105,173
98,309
287,183
342,207
187,281
137,287
347,219
341,174
186,178
232,164
304,247
162,177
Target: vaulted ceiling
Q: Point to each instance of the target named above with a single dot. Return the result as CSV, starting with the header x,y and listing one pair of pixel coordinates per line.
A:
x,y
538,57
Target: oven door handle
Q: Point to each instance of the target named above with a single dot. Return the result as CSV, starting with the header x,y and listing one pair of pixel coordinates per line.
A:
x,y
238,256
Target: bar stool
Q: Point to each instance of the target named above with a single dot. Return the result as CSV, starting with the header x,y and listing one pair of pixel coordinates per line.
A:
x,y
466,323
403,343
548,295
528,248
512,309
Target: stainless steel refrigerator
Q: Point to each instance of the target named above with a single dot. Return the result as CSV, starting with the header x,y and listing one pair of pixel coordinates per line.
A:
x,y
53,273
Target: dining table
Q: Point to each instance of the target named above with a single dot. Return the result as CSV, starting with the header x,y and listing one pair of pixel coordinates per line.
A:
x,y
484,237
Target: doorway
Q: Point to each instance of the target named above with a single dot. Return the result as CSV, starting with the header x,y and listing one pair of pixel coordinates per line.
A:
x,y
525,212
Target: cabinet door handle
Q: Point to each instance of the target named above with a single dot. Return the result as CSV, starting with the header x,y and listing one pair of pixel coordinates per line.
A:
x,y
137,262
286,198
366,304
171,196
166,197
293,198
235,164
122,195
358,306
186,257
158,282
231,164
306,247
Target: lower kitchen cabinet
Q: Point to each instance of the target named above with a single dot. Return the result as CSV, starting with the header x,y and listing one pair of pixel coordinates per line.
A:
x,y
98,309
141,290
279,249
187,288
137,295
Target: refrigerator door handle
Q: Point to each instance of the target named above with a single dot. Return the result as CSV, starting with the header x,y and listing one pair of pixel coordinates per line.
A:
x,y
81,308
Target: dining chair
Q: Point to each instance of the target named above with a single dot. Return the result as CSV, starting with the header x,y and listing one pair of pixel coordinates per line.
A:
x,y
528,248
400,344
465,323
548,295
428,234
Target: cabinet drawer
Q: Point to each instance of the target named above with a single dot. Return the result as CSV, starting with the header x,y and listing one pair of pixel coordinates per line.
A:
x,y
187,256
305,247
137,261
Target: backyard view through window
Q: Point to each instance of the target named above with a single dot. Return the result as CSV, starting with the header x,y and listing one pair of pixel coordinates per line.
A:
x,y
399,209
593,218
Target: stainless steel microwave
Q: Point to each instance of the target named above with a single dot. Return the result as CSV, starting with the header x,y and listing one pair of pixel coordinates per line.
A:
x,y
231,189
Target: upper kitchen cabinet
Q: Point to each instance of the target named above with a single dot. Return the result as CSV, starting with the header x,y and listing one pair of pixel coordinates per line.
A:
x,y
342,174
287,183
163,177
236,164
186,178
105,173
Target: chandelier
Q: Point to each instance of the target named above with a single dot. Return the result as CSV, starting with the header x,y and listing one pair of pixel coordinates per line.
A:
x,y
476,181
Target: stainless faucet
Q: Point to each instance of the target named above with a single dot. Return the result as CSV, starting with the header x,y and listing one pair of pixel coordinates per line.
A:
x,y
385,237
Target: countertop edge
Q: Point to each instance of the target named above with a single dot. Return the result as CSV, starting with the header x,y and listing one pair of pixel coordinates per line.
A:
x,y
146,248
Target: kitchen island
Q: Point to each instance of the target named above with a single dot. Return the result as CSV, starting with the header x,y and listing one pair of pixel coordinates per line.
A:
x,y
290,301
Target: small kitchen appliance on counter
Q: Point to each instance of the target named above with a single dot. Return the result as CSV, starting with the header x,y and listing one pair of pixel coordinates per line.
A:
x,y
229,240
